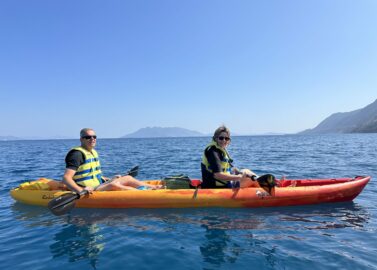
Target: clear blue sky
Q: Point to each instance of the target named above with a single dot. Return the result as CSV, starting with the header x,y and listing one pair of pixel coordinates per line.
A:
x,y
117,66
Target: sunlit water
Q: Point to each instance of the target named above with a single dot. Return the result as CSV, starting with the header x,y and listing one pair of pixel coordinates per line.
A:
x,y
327,236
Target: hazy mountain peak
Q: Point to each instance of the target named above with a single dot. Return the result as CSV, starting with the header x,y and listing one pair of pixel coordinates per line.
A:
x,y
362,120
151,132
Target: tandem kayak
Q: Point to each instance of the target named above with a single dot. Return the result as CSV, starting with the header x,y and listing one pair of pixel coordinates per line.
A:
x,y
287,193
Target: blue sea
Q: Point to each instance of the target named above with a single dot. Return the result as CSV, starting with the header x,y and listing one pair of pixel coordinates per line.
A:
x,y
327,236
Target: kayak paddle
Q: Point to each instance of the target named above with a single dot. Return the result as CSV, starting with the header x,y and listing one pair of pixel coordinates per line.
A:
x,y
66,202
133,172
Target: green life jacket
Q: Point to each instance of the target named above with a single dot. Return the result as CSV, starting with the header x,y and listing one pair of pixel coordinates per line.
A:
x,y
89,173
226,162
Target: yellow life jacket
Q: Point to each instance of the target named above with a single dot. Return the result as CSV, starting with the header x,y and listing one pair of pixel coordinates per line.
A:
x,y
89,173
226,162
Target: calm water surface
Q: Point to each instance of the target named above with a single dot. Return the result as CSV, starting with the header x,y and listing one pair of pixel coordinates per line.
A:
x,y
328,236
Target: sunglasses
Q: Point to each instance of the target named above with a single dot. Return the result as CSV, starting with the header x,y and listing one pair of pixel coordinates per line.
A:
x,y
221,138
88,137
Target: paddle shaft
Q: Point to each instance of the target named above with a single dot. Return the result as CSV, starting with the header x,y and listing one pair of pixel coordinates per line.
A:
x,y
75,196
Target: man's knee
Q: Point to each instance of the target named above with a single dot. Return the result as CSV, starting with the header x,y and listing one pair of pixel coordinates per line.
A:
x,y
127,178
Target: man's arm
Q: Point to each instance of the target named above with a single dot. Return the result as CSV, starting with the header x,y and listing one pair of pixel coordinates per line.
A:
x,y
73,161
69,182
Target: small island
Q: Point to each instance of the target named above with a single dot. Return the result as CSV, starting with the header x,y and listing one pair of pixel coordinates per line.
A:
x,y
153,132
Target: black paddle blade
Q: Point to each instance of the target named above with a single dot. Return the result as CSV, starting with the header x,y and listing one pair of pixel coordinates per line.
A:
x,y
267,182
64,209
134,171
63,204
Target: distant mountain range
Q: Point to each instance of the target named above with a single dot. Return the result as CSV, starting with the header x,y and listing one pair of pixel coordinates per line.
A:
x,y
359,121
14,138
151,132
9,138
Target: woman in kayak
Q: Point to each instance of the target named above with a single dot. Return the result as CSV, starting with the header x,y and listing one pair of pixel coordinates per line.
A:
x,y
217,168
83,169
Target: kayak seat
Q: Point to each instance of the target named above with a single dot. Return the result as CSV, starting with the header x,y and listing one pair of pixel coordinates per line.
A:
x,y
43,184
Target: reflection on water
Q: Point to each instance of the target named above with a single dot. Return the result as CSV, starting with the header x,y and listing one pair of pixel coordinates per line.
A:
x,y
218,246
325,217
78,242
33,216
222,236
76,238
230,236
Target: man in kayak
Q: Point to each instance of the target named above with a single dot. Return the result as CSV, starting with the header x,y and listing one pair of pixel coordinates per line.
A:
x,y
217,168
83,169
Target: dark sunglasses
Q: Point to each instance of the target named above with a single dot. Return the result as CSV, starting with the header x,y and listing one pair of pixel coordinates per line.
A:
x,y
221,138
88,137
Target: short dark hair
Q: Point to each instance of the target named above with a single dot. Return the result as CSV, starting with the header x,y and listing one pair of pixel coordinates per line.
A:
x,y
84,131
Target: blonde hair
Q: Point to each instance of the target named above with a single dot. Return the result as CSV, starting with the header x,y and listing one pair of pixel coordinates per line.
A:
x,y
220,130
